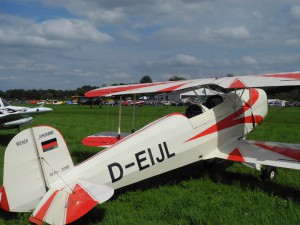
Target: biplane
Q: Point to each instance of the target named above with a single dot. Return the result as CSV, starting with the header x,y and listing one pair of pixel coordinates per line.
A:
x,y
16,116
40,177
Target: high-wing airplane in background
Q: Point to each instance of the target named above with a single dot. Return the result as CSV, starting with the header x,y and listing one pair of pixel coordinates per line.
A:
x,y
39,174
16,116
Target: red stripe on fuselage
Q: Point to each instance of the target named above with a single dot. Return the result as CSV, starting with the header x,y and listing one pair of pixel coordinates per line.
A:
x,y
233,119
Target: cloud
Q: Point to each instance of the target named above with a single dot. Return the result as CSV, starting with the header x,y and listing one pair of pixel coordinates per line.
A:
x,y
249,60
185,60
130,36
72,43
295,11
57,33
233,33
293,42
71,29
118,75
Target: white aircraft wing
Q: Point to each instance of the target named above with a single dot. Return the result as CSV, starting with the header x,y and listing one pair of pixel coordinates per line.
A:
x,y
260,81
266,153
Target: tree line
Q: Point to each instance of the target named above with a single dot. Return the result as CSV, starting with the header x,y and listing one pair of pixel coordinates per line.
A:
x,y
33,94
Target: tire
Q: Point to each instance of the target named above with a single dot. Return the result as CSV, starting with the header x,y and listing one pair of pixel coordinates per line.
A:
x,y
269,173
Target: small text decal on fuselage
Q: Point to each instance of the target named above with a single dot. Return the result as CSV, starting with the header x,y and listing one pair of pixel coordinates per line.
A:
x,y
143,159
22,142
46,134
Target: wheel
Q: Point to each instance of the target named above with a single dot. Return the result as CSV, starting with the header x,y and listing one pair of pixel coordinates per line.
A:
x,y
269,173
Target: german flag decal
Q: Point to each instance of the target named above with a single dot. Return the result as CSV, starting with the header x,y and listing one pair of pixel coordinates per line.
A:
x,y
49,145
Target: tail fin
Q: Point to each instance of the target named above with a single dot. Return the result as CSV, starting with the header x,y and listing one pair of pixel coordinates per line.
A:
x,y
34,159
67,205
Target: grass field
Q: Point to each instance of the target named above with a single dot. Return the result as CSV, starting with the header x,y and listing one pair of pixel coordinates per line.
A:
x,y
228,193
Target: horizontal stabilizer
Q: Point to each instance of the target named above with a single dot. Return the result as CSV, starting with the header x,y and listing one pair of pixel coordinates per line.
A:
x,y
266,153
103,139
67,205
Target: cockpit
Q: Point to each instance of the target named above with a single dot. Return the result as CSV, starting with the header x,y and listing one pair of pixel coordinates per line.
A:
x,y
195,109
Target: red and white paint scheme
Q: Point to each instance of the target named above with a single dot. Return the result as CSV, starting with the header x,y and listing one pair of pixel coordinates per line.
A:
x,y
39,175
258,81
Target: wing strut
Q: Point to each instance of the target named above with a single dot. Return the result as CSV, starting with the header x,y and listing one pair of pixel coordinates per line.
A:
x,y
133,114
120,118
251,104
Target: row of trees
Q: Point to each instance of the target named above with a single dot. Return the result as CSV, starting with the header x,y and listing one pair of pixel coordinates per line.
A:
x,y
33,94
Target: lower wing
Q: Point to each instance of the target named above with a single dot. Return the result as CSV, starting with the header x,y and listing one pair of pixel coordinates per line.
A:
x,y
266,153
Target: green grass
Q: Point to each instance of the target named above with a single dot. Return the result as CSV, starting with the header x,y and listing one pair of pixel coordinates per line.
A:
x,y
228,193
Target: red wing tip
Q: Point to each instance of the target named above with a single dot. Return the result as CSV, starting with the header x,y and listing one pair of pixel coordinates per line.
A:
x,y
35,220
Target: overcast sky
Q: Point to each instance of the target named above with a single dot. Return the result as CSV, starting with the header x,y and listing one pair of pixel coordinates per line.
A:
x,y
65,44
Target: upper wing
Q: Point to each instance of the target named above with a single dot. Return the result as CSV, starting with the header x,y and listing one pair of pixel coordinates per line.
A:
x,y
159,87
260,81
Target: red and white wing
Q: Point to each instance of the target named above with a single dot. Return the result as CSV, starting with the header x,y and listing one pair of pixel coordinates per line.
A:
x,y
103,139
260,81
158,87
266,153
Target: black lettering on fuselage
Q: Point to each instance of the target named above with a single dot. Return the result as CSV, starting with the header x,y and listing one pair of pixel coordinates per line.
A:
x,y
112,172
161,153
143,159
140,160
167,151
19,143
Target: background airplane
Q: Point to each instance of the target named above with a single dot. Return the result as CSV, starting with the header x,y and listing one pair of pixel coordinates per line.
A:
x,y
43,178
16,116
